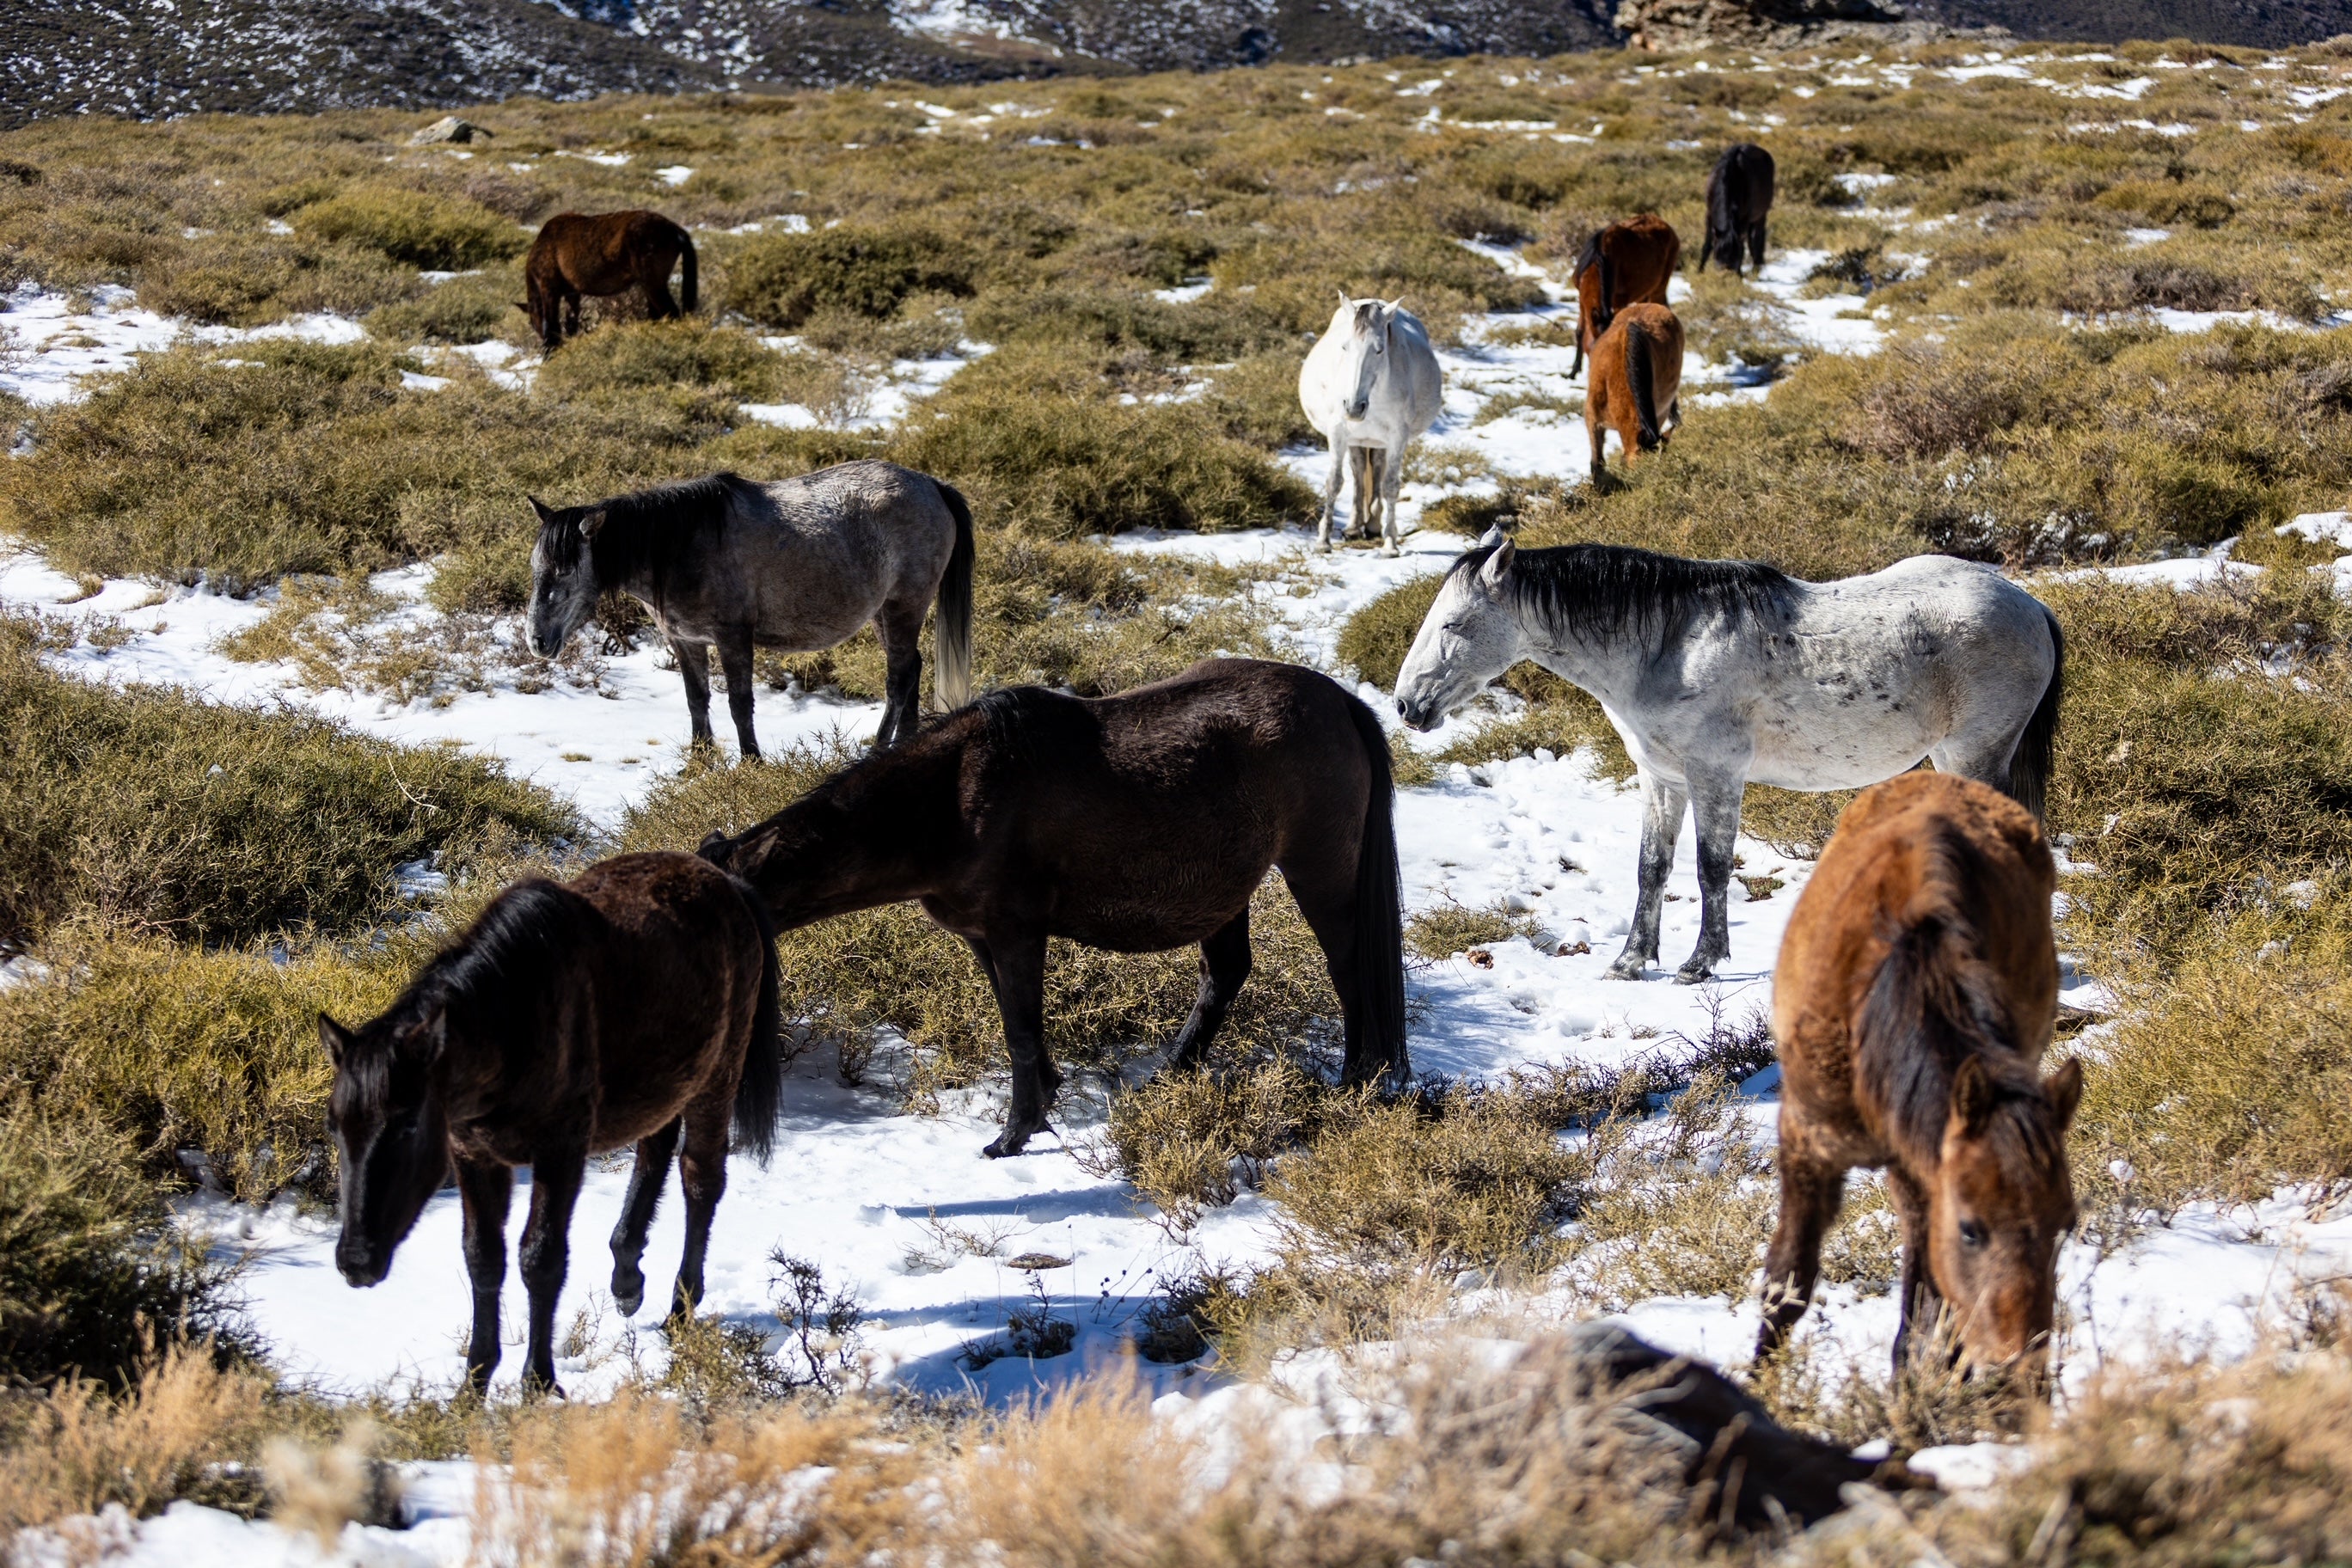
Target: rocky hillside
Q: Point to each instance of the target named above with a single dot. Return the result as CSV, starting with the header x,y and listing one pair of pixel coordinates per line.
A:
x,y
153,59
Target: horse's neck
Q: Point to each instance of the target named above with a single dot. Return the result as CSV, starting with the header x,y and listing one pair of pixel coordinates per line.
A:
x,y
1606,670
819,858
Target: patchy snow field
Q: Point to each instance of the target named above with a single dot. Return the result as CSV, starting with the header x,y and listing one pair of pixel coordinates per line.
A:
x,y
902,1209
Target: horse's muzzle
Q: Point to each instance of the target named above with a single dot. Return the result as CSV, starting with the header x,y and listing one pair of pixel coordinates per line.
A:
x,y
1357,410
361,1271
1421,715
545,644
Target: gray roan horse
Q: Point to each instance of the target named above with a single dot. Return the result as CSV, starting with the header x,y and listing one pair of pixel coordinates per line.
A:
x,y
796,564
1720,672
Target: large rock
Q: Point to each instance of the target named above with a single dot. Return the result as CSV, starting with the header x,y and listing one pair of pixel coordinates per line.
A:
x,y
1661,25
450,128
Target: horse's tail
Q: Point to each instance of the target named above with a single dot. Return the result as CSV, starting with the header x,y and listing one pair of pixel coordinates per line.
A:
x,y
760,1091
2029,770
951,620
688,291
1380,910
1643,384
1608,311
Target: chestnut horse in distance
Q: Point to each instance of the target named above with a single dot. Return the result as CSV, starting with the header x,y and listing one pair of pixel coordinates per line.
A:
x,y
609,253
1635,387
1913,1002
1625,264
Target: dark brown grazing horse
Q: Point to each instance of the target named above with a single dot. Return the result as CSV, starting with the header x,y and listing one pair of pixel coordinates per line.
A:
x,y
603,254
1134,823
634,1005
1913,1002
1625,264
1635,387
1738,201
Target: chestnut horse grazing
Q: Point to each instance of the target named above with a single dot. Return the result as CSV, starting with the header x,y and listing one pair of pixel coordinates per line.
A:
x,y
1627,263
608,253
1913,1002
1134,823
1635,387
1738,201
633,1005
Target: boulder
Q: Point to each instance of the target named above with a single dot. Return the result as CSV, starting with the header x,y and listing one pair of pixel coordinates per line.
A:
x,y
450,128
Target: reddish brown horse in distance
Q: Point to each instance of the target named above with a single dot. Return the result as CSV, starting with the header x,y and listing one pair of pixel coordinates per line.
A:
x,y
1625,264
1912,1003
602,255
1635,387
1738,201
634,1005
1134,823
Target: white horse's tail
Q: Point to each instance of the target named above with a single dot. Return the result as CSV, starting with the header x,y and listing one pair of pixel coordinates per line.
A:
x,y
2029,770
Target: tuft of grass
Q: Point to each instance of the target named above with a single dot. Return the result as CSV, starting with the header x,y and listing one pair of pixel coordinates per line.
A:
x,y
146,805
1445,931
1376,637
443,234
783,279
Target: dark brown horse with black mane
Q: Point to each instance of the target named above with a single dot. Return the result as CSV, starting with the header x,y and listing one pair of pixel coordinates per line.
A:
x,y
1738,201
604,254
1625,264
1134,823
1913,1003
796,564
633,1005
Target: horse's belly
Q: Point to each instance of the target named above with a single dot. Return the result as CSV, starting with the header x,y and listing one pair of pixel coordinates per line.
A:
x,y
1841,745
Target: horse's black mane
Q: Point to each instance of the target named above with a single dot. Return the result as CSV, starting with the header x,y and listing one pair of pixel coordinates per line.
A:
x,y
495,981
1602,592
1589,257
649,528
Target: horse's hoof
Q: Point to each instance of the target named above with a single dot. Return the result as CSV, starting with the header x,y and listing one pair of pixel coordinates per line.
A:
x,y
1686,976
628,1297
1621,970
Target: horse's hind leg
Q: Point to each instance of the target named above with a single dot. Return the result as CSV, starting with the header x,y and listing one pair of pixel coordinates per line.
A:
x,y
1811,1191
1662,805
555,1180
645,1179
484,1189
702,1175
1224,965
901,635
1324,887
1756,246
735,664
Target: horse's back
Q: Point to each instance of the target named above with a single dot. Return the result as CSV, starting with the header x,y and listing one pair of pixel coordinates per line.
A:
x,y
820,553
1922,846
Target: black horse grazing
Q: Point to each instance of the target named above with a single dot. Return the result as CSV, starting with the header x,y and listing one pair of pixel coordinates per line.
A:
x,y
635,1004
1135,823
1738,200
797,564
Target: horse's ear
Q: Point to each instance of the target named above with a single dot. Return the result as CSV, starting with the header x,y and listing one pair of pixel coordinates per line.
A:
x,y
1495,538
2064,1091
333,1038
547,514
591,522
1497,573
1344,298
1974,1095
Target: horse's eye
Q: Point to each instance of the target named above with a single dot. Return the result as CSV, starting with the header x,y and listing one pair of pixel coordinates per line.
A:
x,y
1971,1233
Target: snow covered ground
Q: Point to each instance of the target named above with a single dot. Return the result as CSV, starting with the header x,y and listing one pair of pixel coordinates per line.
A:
x,y
902,1209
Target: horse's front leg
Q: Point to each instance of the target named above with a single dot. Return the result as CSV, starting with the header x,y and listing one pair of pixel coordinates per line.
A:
x,y
645,1179
484,1189
1391,472
1017,969
702,1173
1663,805
694,669
1715,811
1331,490
1811,1193
1756,246
735,664
1923,1304
555,1180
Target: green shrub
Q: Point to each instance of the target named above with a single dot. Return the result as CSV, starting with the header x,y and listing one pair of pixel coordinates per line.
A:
x,y
466,309
439,234
689,353
91,1273
220,823
781,280
1376,637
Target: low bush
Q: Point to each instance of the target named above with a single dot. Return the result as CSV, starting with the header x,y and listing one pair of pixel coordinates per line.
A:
x,y
223,823
1376,638
465,309
443,234
781,280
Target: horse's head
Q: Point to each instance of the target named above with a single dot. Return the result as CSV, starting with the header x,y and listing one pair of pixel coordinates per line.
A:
x,y
562,573
1470,636
391,1136
2001,1200
1365,326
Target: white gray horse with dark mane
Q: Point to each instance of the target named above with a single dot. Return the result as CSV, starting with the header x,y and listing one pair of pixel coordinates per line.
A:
x,y
794,565
1371,384
1721,672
